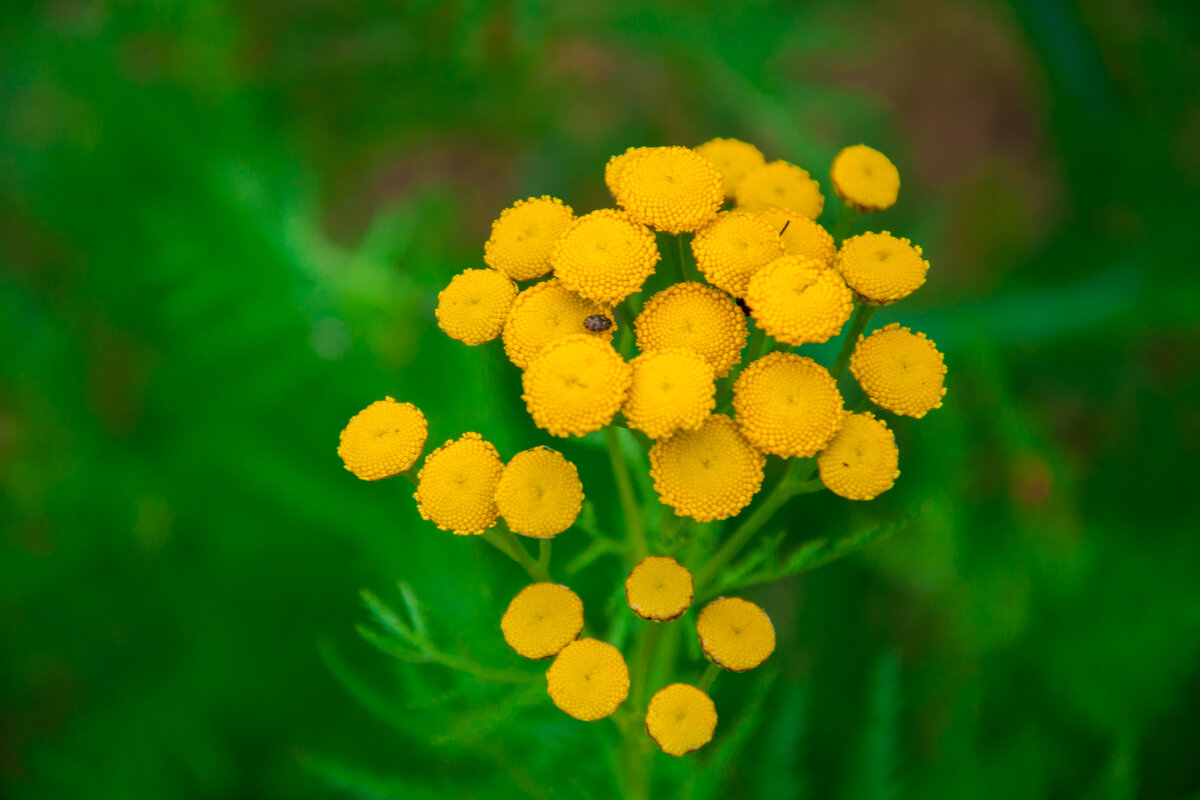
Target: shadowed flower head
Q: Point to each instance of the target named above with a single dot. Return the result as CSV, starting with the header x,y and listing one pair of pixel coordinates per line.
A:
x,y
880,267
865,179
707,474
733,159
588,679
576,385
680,719
801,235
605,256
671,189
383,440
735,633
797,301
539,494
780,185
787,405
547,311
900,371
523,237
456,487
672,389
472,309
861,461
542,620
696,317
659,588
734,246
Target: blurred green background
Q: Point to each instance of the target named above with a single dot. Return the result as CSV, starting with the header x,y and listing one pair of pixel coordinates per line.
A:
x,y
222,231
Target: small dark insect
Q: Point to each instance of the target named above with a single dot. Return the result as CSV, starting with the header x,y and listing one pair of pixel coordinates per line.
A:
x,y
784,228
742,305
597,323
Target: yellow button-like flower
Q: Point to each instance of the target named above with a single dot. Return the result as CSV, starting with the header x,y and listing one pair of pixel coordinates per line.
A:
x,y
616,166
861,461
681,719
801,235
672,189
542,620
865,179
900,371
787,405
672,389
696,317
588,680
474,306
540,494
733,159
659,589
523,237
383,440
709,473
780,185
605,256
734,246
547,311
576,385
797,301
880,267
456,487
735,633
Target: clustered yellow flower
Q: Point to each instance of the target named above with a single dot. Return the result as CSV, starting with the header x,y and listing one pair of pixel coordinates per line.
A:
x,y
780,185
680,719
861,462
456,487
542,619
881,268
383,440
474,306
524,236
539,494
901,371
605,256
671,189
733,247
576,385
547,311
735,634
659,588
787,405
798,300
707,474
673,389
696,317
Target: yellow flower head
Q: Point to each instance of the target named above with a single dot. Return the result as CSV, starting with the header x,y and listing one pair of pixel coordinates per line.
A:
x,y
733,159
735,633
542,620
672,389
588,679
865,179
547,311
707,474
696,317
861,461
681,719
881,267
801,235
456,487
787,405
617,164
672,189
576,385
540,494
734,246
384,439
605,256
659,589
523,237
797,301
474,306
780,185
900,371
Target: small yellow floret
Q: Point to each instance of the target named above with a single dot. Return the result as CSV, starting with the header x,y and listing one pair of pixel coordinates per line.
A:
x,y
801,235
734,246
901,371
605,256
542,620
680,719
696,317
576,385
456,487
865,178
523,237
616,166
880,267
588,680
733,159
383,440
672,389
735,633
540,494
659,588
671,189
780,185
861,461
707,474
474,306
798,301
547,311
787,405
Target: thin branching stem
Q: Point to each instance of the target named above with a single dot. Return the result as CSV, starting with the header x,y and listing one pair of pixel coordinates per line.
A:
x,y
706,681
629,504
862,315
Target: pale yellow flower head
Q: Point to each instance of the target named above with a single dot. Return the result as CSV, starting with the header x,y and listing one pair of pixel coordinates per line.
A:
x,y
734,246
605,256
456,487
802,236
383,440
880,267
780,185
901,371
524,236
680,719
861,462
697,317
865,179
671,189
787,405
576,385
673,389
588,679
540,493
798,301
547,311
659,588
709,473
735,633
733,159
474,306
542,620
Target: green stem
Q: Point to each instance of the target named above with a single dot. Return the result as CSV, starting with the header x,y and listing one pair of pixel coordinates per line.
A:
x,y
758,345
845,223
544,554
683,270
710,675
504,540
629,504
625,322
862,315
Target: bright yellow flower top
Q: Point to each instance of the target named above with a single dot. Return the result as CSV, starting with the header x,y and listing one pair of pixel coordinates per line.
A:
x,y
861,461
540,493
672,389
671,189
474,306
680,719
697,317
659,588
576,385
797,301
880,267
383,440
542,619
780,185
735,633
707,474
787,405
605,256
734,246
456,487
865,179
901,371
588,680
733,159
617,164
547,311
801,235
523,237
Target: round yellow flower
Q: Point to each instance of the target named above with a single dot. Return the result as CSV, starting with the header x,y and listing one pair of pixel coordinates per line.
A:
x,y
659,588
605,256
707,474
576,385
616,166
733,159
780,185
797,301
542,619
681,719
900,371
865,179
801,235
787,405
547,311
672,389
474,306
540,494
588,680
523,237
880,267
734,246
383,440
672,189
696,317
456,487
735,633
861,461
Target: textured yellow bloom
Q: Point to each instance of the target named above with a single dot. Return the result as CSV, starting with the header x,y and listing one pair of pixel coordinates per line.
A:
x,y
672,189
523,237
672,389
780,185
696,317
900,371
681,719
880,267
787,405
735,633
588,679
659,588
734,246
801,236
542,619
540,494
616,166
474,306
547,311
605,256
865,179
456,487
861,461
576,385
384,439
707,474
797,301
733,159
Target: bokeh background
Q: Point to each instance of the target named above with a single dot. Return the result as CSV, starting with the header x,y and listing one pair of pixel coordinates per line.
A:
x,y
222,231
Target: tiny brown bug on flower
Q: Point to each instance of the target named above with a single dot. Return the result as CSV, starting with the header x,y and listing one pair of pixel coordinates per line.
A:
x,y
597,323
